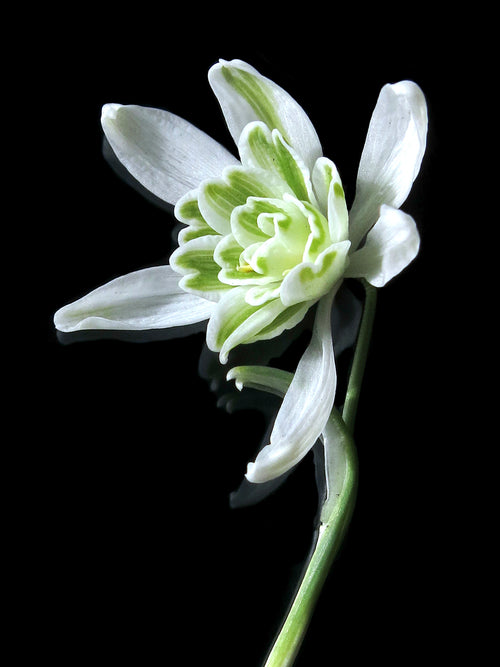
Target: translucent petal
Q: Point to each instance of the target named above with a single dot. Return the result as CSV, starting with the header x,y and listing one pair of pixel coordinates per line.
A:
x,y
146,299
164,152
246,96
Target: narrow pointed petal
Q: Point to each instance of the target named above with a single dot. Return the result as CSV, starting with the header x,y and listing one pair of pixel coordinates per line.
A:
x,y
165,153
392,154
390,246
146,299
306,406
246,96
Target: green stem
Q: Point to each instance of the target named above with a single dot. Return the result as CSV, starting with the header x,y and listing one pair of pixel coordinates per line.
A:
x,y
330,538
360,356
332,531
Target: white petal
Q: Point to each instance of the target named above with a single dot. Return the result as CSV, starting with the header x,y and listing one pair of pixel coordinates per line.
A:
x,y
307,404
245,96
390,246
146,299
392,154
164,152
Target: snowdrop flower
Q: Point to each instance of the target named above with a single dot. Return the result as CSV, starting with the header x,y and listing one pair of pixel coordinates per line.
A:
x,y
267,235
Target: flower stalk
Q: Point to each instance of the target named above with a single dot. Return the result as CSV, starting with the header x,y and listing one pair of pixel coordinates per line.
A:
x,y
334,526
360,356
330,538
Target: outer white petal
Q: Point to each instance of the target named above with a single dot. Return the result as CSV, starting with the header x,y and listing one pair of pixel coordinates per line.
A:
x,y
307,404
146,299
165,153
392,154
390,246
245,96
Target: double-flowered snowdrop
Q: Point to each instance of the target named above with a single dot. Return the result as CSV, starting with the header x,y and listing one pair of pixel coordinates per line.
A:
x,y
267,234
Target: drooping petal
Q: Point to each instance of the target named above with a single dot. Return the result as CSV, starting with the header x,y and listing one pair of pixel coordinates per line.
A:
x,y
335,438
306,406
145,299
165,153
391,244
245,96
392,154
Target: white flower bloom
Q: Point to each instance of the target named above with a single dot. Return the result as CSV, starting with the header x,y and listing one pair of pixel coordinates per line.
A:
x,y
267,236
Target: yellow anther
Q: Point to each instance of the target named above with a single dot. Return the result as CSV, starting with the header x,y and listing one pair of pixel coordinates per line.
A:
x,y
246,268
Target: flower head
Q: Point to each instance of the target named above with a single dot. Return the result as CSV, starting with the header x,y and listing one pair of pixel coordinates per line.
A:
x,y
267,235
262,241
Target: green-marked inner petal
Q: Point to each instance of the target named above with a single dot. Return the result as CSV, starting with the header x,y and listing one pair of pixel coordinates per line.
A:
x,y
311,280
234,269
188,212
319,238
234,321
338,218
260,294
218,198
195,261
287,319
187,209
262,148
244,221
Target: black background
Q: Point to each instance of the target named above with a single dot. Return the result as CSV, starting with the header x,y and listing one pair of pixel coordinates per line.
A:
x,y
131,551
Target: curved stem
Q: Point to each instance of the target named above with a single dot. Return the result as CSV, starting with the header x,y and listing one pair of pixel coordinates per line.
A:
x,y
332,531
360,355
330,538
